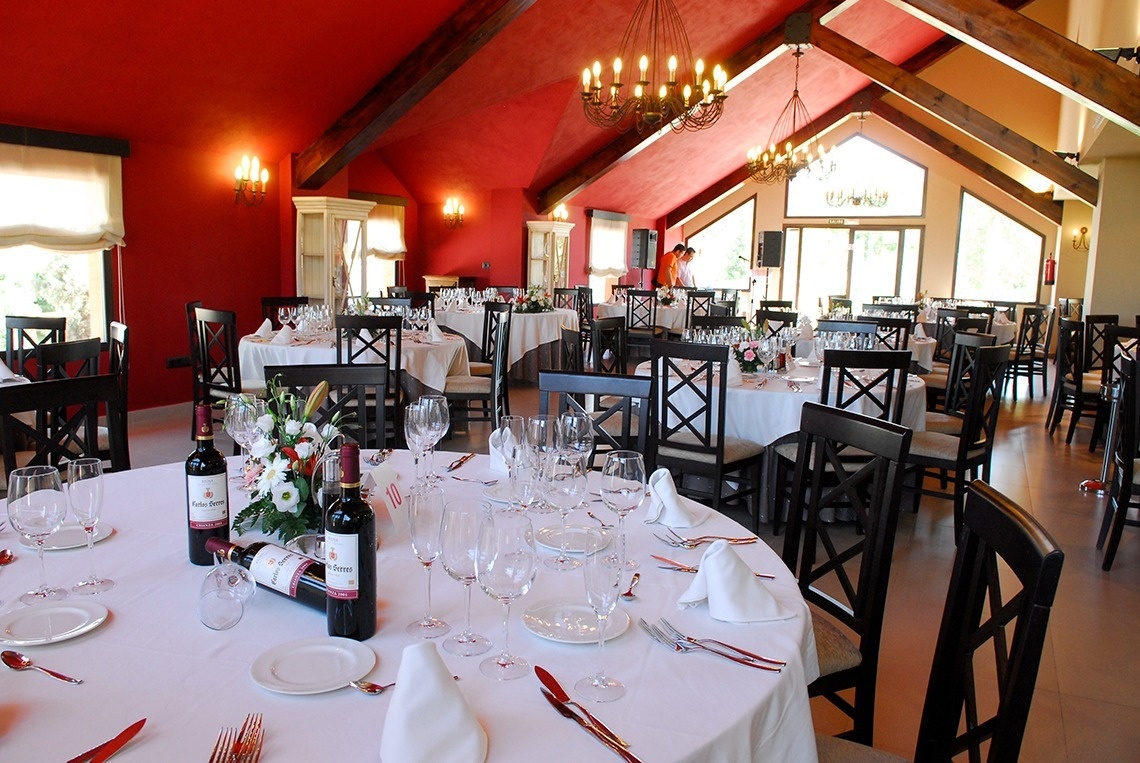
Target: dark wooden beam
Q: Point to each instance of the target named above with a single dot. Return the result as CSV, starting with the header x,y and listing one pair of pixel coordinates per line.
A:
x,y
1038,52
955,112
1042,203
454,42
68,141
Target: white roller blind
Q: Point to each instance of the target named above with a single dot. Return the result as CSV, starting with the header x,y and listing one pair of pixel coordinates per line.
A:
x,y
386,232
66,201
607,247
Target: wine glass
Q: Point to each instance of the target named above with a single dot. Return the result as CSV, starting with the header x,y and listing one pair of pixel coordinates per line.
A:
x,y
425,518
225,591
575,431
603,573
511,439
539,437
284,316
36,508
417,434
526,481
438,420
460,536
85,493
623,490
505,566
565,487
239,424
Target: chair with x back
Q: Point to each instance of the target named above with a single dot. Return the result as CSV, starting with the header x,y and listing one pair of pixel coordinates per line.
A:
x,y
219,373
1028,360
481,398
943,336
608,347
350,399
370,339
1124,494
119,355
948,391
893,331
270,307
775,320
623,424
641,318
25,333
67,360
566,298
420,299
1098,353
1075,389
843,574
585,307
698,302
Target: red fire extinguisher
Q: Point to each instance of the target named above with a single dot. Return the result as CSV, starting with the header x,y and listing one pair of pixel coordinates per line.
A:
x,y
1050,270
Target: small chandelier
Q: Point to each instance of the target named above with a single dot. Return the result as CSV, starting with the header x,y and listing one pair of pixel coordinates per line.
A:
x,y
772,166
453,213
858,195
672,89
250,181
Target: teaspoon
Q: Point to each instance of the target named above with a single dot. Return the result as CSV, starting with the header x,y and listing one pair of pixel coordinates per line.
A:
x,y
6,557
17,661
628,594
370,688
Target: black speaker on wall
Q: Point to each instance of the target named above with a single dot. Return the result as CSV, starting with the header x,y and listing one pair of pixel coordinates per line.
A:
x,y
644,248
770,249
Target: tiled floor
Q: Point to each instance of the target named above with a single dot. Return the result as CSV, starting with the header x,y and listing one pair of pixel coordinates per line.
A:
x,y
1087,705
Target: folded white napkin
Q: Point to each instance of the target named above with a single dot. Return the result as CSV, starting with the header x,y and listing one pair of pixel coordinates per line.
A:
x,y
733,593
805,329
433,331
284,336
668,508
1001,320
429,720
501,446
735,375
265,330
919,331
5,372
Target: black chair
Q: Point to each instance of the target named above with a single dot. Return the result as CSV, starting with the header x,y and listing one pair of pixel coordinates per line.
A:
x,y
641,318
1097,352
372,339
481,398
698,303
947,392
847,580
985,312
893,331
718,321
863,332
622,425
982,613
418,299
608,346
353,391
774,320
1125,492
729,298
67,360
195,370
570,343
397,291
1074,390
776,304
585,305
908,310
74,434
270,306
218,369
566,298
943,336
389,305
119,355
838,302
1028,359
24,334
495,315
722,309
690,383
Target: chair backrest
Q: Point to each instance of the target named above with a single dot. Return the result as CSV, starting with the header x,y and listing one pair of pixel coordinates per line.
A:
x,y
961,369
608,346
730,297
67,360
895,309
585,307
392,304
366,339
893,331
722,309
397,291
622,425
640,309
1070,350
717,321
566,298
270,306
1119,341
24,334
1128,445
872,382
943,336
352,390
776,319
618,291
494,314
119,355
1031,331
987,383
690,383
421,299
838,302
508,292
697,303
776,304
499,369
218,367
994,528
1097,352
985,312
571,344
74,432
192,331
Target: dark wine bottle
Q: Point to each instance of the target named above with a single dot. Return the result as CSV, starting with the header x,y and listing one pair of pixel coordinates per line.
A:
x,y
278,569
350,555
207,497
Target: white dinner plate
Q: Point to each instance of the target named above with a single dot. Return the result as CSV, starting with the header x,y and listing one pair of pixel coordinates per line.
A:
x,y
571,622
50,622
312,665
577,539
500,493
71,535
803,378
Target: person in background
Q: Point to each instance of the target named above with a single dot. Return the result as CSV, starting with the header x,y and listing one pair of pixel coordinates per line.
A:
x,y
684,272
667,267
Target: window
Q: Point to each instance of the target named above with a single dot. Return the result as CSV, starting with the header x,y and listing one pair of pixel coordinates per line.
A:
x,y
998,257
724,249
861,165
386,247
609,233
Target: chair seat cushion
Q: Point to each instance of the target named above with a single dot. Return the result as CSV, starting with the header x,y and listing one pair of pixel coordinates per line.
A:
x,y
939,448
835,650
735,449
836,750
467,385
479,368
935,379
944,423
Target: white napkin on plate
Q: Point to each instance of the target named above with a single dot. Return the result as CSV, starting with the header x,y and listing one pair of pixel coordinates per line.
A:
x,y
429,720
501,446
735,375
733,593
668,508
284,336
919,331
433,331
265,330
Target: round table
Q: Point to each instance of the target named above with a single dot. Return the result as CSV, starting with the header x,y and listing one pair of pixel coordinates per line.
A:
x,y
669,317
532,334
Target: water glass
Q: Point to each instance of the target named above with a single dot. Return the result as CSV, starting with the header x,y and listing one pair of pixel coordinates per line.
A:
x,y
623,490
603,574
505,566
438,420
85,493
417,433
226,590
425,519
459,539
564,488
36,508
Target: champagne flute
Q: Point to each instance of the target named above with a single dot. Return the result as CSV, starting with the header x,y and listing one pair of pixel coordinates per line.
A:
x,y
565,487
438,420
85,493
425,518
603,573
416,434
623,490
36,508
460,536
505,566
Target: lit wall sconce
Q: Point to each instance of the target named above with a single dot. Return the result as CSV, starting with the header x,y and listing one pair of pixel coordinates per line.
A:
x,y
1081,239
560,214
250,181
453,213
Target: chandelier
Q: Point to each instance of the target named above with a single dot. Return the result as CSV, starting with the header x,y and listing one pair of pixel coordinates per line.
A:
x,y
672,89
857,194
772,166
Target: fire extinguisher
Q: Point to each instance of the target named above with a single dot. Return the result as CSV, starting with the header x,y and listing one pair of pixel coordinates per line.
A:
x,y
1050,270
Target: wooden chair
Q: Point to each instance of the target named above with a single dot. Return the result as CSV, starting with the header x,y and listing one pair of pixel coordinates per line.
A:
x,y
1074,390
690,382
270,305
353,391
585,306
418,299
943,335
1097,352
893,331
608,346
195,370
846,580
24,334
776,304
776,319
730,298
622,425
475,398
494,315
67,360
218,369
571,345
1028,360
838,302
718,321
119,357
566,298
376,339
947,392
641,318
698,303
397,291
892,309
982,613
1125,491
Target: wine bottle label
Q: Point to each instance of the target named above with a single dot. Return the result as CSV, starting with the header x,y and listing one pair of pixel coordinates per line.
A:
x,y
208,501
281,570
342,565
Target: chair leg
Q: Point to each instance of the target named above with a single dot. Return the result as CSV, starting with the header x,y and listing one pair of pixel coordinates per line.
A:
x,y
1074,417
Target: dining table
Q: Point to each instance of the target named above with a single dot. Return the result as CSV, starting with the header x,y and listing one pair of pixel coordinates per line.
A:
x,y
141,651
669,317
534,338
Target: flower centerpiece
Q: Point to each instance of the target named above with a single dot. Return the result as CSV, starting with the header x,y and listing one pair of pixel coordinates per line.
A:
x,y
535,300
747,354
665,295
287,450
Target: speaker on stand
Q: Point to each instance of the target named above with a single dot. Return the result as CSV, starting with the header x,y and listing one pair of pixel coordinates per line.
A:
x,y
769,253
644,252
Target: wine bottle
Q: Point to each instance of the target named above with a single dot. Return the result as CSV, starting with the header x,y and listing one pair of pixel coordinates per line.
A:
x,y
207,497
350,555
278,569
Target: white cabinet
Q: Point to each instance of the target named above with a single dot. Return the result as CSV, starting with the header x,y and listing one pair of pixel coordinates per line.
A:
x,y
331,246
548,253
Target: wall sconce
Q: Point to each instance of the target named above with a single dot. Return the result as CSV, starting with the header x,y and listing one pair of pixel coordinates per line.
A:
x,y
453,213
250,181
1081,239
560,214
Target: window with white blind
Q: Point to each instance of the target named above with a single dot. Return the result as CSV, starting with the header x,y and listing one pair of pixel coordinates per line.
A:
x,y
609,236
386,247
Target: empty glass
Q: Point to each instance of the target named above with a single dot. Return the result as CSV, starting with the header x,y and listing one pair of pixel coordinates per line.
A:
x,y
417,433
565,488
36,508
425,519
85,493
240,424
623,490
460,537
505,566
602,573
539,436
225,591
438,420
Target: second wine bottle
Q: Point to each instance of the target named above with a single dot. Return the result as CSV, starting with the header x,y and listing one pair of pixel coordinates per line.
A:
x,y
350,555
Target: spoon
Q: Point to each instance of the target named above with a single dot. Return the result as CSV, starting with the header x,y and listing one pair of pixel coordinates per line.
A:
x,y
370,688
17,661
6,557
628,594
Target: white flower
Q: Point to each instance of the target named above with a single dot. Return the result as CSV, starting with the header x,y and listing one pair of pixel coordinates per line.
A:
x,y
286,498
328,431
262,448
274,473
292,427
265,423
310,430
304,449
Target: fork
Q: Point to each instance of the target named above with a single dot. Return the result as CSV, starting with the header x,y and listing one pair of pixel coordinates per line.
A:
x,y
487,483
247,738
379,457
679,541
227,737
793,386
680,645
677,635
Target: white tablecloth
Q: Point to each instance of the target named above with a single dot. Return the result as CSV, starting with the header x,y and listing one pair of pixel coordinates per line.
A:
x,y
529,331
1006,333
669,317
429,364
153,659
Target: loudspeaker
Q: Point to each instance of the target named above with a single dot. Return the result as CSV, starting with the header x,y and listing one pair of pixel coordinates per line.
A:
x,y
644,248
770,249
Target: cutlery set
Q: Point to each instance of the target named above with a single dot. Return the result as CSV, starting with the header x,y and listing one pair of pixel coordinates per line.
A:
x,y
558,698
379,457
679,541
240,745
101,752
668,636
675,566
485,483
460,462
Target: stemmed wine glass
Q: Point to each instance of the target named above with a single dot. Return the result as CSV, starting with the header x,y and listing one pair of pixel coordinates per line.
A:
x,y
36,507
225,591
623,490
85,493
526,480
438,420
603,573
417,434
461,523
539,436
425,518
565,487
505,566
284,316
511,439
575,431
240,424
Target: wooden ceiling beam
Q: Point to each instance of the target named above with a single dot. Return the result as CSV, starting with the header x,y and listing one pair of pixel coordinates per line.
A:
x,y
449,46
1038,52
958,114
1042,203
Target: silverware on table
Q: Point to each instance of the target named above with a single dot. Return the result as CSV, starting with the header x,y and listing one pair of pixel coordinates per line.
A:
x,y
555,688
670,564
17,661
487,483
379,457
566,712
460,462
682,647
676,634
679,541
101,752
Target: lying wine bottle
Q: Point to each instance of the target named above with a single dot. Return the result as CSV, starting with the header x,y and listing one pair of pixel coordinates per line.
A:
x,y
278,569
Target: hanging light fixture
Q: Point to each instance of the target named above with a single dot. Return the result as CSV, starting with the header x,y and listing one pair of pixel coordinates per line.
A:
x,y
672,89
852,190
250,181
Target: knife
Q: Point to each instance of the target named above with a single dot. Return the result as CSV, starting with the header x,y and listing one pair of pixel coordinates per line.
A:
x,y
551,683
566,712
101,752
460,462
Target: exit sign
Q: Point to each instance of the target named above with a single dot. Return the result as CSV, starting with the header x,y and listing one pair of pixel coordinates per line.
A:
x,y
841,221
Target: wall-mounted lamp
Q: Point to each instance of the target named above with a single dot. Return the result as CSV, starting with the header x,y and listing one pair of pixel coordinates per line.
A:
x,y
453,213
560,213
1081,239
1115,54
250,181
